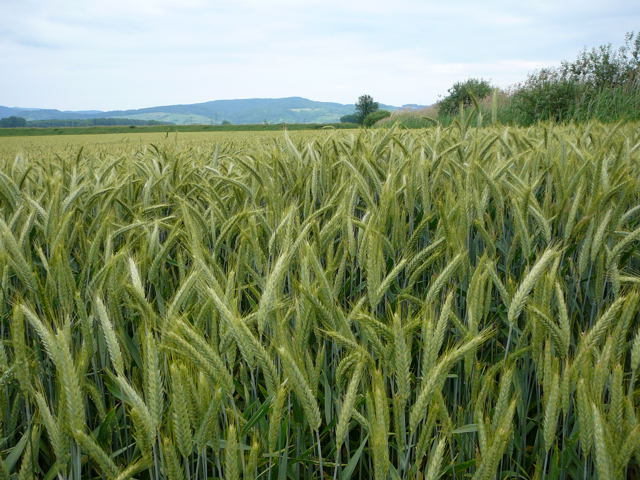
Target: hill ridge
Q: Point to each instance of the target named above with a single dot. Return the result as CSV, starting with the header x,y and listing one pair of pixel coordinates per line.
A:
x,y
293,109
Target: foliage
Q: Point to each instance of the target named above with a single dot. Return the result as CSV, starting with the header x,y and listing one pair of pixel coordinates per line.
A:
x,y
461,93
545,96
350,118
449,303
13,121
364,106
373,117
604,67
601,83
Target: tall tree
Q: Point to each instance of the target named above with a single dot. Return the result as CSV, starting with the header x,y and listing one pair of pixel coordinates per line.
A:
x,y
365,106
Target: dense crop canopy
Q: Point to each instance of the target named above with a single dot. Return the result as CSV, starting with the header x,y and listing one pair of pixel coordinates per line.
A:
x,y
442,303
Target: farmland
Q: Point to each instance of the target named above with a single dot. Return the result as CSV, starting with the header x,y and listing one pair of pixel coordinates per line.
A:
x,y
439,303
129,143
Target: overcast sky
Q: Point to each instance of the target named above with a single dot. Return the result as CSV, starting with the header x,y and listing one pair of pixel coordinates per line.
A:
x,y
113,54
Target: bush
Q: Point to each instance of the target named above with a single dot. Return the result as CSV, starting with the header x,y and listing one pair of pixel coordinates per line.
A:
x,y
12,122
604,67
351,118
601,83
462,93
373,117
546,96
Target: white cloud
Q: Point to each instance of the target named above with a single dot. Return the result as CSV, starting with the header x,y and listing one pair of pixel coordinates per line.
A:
x,y
123,53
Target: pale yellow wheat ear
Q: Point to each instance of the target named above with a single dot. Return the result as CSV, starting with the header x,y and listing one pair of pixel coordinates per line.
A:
x,y
110,337
135,277
58,349
191,345
402,360
603,456
551,410
173,468
438,374
528,283
379,424
301,387
152,378
251,469
231,458
348,403
433,470
277,413
57,436
180,420
109,469
141,465
15,256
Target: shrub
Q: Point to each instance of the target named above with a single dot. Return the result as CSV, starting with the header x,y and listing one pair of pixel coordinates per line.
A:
x,y
546,96
373,117
601,83
351,118
462,93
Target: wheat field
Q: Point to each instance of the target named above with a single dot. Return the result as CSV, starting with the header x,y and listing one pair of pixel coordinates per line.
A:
x,y
446,303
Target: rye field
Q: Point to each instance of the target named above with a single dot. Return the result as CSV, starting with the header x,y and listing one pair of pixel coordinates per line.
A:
x,y
445,303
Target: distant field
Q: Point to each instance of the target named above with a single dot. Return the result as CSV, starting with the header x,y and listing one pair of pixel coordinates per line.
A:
x,y
106,141
30,131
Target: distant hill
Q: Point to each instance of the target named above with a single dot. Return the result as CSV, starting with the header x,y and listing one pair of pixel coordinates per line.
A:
x,y
240,111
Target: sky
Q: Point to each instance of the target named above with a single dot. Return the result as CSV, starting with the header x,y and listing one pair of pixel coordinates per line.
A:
x,y
118,54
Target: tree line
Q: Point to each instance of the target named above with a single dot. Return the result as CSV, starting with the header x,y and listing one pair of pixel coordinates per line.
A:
x,y
17,122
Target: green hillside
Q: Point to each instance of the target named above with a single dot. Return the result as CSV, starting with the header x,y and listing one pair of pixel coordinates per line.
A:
x,y
240,111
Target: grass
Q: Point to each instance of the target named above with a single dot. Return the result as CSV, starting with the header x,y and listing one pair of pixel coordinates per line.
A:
x,y
412,118
451,302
